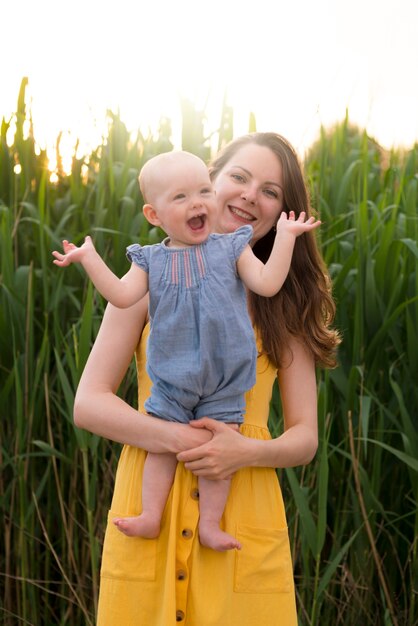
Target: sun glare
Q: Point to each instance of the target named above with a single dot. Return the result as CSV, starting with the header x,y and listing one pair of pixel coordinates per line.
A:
x,y
295,70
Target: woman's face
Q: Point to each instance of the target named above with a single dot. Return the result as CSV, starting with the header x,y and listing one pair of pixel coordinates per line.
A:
x,y
249,190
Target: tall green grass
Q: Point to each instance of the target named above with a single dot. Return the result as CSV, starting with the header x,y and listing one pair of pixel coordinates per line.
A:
x,y
352,513
363,488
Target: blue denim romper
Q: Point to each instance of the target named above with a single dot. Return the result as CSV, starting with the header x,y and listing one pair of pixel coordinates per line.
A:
x,y
201,352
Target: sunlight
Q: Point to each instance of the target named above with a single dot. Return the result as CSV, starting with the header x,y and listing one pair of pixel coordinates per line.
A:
x,y
294,74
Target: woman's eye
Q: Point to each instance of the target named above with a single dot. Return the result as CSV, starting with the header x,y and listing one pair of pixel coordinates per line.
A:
x,y
238,177
271,193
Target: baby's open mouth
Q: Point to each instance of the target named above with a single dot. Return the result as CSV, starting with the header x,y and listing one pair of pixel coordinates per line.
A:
x,y
197,222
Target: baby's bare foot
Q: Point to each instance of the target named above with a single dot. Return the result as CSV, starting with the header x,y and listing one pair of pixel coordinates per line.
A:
x,y
143,525
211,536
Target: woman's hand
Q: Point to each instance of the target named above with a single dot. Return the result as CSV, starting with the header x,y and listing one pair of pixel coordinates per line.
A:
x,y
219,458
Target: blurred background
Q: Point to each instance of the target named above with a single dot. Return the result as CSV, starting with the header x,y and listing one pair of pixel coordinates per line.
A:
x,y
297,65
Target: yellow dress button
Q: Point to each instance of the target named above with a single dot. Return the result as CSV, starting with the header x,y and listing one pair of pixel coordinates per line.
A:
x,y
187,533
179,616
181,574
195,494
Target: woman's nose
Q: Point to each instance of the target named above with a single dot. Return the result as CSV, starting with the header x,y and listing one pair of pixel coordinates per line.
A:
x,y
250,195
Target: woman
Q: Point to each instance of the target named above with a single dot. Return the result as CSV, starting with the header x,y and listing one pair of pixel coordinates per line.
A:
x,y
173,578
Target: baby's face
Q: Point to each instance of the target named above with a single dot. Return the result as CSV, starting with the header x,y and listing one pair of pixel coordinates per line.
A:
x,y
185,203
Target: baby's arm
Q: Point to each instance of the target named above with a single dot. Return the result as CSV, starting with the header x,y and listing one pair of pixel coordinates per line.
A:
x,y
121,292
267,279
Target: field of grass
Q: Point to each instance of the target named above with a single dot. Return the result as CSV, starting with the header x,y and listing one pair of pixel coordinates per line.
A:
x,y
352,513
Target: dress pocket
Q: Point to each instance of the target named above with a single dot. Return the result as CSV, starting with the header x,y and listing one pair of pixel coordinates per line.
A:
x,y
127,558
264,564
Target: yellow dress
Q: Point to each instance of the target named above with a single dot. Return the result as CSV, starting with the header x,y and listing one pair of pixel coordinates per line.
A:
x,y
173,579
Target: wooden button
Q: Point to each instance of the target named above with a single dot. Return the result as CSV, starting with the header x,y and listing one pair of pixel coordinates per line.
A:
x,y
187,533
195,494
179,616
181,574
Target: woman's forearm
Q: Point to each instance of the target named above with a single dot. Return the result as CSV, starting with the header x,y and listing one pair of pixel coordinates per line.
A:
x,y
229,451
296,446
105,414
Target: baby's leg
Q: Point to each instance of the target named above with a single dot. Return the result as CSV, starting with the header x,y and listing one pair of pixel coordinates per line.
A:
x,y
159,470
212,501
213,497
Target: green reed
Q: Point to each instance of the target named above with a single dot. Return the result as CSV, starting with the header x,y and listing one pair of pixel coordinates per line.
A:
x,y
352,513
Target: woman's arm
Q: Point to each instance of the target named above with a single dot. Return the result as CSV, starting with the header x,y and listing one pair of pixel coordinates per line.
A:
x,y
98,409
228,451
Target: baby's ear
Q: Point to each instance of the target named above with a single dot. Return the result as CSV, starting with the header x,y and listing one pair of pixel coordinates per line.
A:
x,y
151,215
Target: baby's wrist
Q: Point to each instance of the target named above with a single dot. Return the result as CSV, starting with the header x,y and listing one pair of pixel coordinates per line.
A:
x,y
285,235
89,257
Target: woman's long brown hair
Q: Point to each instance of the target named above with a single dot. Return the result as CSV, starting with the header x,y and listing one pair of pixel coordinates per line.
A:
x,y
304,307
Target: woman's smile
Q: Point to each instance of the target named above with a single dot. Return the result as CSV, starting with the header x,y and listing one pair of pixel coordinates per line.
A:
x,y
241,213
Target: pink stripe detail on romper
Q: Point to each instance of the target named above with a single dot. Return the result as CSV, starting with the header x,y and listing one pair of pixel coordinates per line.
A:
x,y
187,269
174,269
200,263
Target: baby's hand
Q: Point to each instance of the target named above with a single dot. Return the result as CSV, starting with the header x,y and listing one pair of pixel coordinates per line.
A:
x,y
72,253
289,224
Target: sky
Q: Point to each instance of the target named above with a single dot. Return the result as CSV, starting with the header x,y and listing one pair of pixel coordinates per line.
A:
x,y
296,65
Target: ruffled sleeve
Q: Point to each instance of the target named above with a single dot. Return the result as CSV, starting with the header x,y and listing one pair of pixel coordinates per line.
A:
x,y
240,238
135,254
